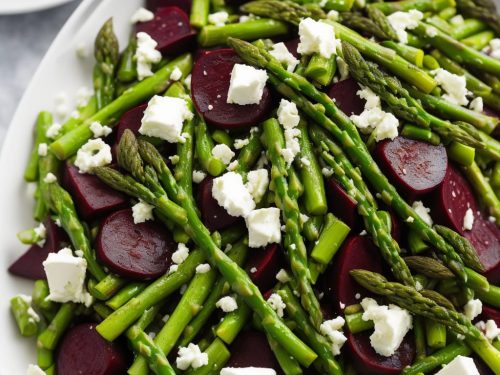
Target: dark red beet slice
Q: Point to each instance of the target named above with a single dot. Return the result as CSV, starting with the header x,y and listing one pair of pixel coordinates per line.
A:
x,y
84,351
210,85
139,251
345,97
490,313
266,263
292,46
93,197
153,5
213,216
341,204
340,287
366,361
29,265
413,166
130,120
251,349
170,29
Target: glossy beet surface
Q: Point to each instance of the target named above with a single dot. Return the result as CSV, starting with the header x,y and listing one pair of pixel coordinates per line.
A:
x,y
210,85
153,5
29,265
341,204
345,97
130,120
414,167
92,197
139,251
366,361
170,29
84,351
264,264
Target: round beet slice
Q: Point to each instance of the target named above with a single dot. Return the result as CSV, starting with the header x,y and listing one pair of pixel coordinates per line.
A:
x,y
170,29
140,251
213,216
341,204
413,166
490,313
153,5
264,264
366,361
345,97
340,287
210,85
84,351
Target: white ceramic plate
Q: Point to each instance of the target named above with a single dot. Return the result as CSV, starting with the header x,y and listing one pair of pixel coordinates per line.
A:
x,y
25,6
60,70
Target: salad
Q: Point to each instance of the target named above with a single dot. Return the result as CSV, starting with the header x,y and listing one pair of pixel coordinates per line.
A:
x,y
273,187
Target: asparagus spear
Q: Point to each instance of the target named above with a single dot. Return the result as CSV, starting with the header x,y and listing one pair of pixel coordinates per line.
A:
x,y
26,322
43,121
40,301
199,13
49,338
376,24
432,6
125,294
233,323
428,267
127,68
482,9
479,40
218,355
291,11
288,364
204,145
338,5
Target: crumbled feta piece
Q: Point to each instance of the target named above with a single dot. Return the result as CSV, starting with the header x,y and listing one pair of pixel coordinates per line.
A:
x,y
473,308
43,148
457,20
173,268
223,153
240,143
477,104
142,15
41,233
174,159
402,21
423,212
99,130
50,178
81,50
492,332
391,325
247,371
95,153
35,370
410,219
227,304
253,269
187,81
317,37
176,74
198,176
191,356
418,286
142,212
493,48
83,95
164,118
246,85
257,183
53,130
327,172
333,15
328,326
218,18
459,366
283,55
372,99
263,226
230,192
233,165
288,114
431,31
454,85
468,219
66,277
277,304
343,68
203,268
282,276
146,55
181,254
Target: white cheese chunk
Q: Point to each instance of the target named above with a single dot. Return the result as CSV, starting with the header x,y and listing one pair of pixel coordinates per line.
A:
x,y
223,153
198,176
53,130
492,332
227,304
455,86
43,148
372,99
240,143
493,48
95,153
66,277
473,308
282,276
288,114
181,254
459,366
257,183
203,268
176,74
333,330
477,104
35,370
83,95
391,325
264,227
423,212
343,68
218,18
277,304
164,118
191,356
50,178
457,20
387,127
283,55
468,219
142,212
230,192
146,55
246,85
431,31
247,371
402,21
333,15
99,130
317,37
41,233
142,15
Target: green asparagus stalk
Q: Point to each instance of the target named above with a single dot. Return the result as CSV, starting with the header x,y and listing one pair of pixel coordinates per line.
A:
x,y
419,333
30,236
338,5
432,6
288,364
321,69
312,228
484,10
293,12
218,355
479,40
429,267
125,294
356,324
467,28
199,13
409,53
461,154
107,287
49,338
26,318
127,69
330,240
250,153
233,323
43,122
420,134
436,334
40,301
204,145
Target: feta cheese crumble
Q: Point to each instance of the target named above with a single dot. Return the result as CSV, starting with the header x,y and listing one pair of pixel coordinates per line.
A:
x,y
391,325
181,254
191,356
264,227
146,55
423,212
100,131
317,37
198,176
230,192
223,153
283,55
477,104
176,74
240,143
43,148
402,21
454,85
247,371
473,308
41,233
53,130
277,304
35,370
460,365
95,153
66,277
343,68
493,48
203,268
282,276
246,85
227,304
164,118
218,18
142,212
50,178
333,330
257,183
468,219
142,15
288,117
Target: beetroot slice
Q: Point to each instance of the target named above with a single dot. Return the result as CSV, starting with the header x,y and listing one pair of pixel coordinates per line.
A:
x,y
93,197
341,204
29,265
340,287
170,29
153,5
213,216
366,361
130,120
490,313
210,85
264,264
84,351
139,251
345,97
414,167
251,349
